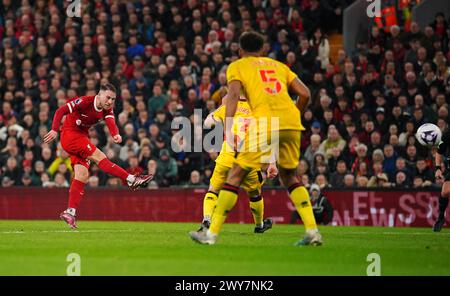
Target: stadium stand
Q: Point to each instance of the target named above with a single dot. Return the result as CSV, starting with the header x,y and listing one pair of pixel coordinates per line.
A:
x,y
170,57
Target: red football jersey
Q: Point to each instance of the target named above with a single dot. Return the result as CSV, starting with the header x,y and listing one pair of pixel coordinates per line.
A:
x,y
83,114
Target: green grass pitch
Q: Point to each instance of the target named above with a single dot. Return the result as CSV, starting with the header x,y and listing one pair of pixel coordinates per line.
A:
x,y
136,248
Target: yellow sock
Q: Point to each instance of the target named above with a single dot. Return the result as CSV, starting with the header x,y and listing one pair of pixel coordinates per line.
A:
x,y
226,201
257,208
300,198
209,203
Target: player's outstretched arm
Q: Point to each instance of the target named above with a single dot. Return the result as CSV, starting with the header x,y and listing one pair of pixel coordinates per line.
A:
x,y
50,136
234,91
272,169
303,93
112,127
59,114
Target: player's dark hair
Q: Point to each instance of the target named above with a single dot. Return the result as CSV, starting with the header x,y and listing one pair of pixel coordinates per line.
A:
x,y
108,86
251,41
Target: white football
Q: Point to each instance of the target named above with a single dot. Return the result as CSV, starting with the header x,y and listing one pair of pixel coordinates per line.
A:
x,y
429,135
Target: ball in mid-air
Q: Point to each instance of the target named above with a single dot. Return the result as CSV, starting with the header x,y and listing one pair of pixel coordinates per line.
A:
x,y
429,135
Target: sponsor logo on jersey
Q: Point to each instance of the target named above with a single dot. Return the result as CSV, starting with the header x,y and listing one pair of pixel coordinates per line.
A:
x,y
76,102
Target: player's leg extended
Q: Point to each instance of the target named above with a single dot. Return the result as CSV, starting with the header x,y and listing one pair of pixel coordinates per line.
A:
x,y
111,168
227,198
300,198
244,162
218,178
225,202
289,154
443,203
209,204
257,208
252,184
76,192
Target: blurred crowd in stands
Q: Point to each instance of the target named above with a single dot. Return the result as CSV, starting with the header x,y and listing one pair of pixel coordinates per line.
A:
x,y
170,57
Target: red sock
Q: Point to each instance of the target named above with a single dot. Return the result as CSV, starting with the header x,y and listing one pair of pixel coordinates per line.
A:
x,y
76,192
113,169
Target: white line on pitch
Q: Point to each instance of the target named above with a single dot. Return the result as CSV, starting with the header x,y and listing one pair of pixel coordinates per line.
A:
x,y
65,231
387,233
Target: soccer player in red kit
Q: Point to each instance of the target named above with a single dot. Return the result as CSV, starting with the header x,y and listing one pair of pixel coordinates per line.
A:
x,y
82,113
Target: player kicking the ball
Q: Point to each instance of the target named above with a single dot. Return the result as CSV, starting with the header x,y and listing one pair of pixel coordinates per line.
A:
x,y
82,113
443,152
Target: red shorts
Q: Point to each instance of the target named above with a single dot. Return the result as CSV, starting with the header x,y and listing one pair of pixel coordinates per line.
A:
x,y
78,146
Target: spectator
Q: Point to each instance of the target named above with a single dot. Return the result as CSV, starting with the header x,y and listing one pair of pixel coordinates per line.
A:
x,y
377,156
419,183
362,170
401,180
320,44
362,181
375,142
46,156
390,157
400,165
161,121
152,169
314,16
306,181
7,182
64,158
60,181
26,180
93,182
306,57
333,141
114,183
195,180
349,181
143,121
12,172
145,155
135,48
313,148
422,170
133,166
322,181
322,208
319,159
411,156
361,157
167,168
337,178
157,101
303,168
130,146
